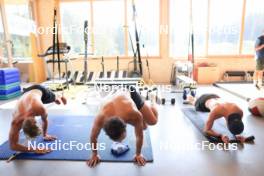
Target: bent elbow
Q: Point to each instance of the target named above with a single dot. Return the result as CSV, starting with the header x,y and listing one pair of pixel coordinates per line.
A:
x,y
13,146
153,122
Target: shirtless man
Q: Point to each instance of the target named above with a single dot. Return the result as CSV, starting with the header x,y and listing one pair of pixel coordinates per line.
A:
x,y
31,104
124,108
219,108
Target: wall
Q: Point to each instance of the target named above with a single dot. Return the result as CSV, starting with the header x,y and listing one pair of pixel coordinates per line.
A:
x,y
160,67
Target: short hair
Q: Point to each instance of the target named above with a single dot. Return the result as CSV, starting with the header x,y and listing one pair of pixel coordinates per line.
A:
x,y
114,128
235,124
30,128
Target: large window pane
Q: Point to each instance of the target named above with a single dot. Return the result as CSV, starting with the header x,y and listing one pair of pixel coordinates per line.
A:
x,y
180,27
254,24
200,13
20,25
73,15
148,25
225,25
3,50
109,27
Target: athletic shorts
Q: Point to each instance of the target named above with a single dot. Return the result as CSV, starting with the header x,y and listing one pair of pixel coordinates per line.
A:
x,y
201,101
259,64
47,95
136,97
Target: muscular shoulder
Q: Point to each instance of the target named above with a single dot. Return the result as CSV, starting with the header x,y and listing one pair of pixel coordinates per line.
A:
x,y
17,122
217,112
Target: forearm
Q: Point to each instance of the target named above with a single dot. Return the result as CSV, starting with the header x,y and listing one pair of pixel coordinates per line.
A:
x,y
44,127
94,145
212,133
139,143
45,124
22,148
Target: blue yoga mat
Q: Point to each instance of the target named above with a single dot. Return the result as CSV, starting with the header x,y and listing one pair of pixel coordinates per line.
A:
x,y
77,129
10,91
10,96
9,75
8,71
10,80
9,86
199,119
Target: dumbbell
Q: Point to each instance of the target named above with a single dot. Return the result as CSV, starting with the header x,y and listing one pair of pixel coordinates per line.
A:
x,y
172,101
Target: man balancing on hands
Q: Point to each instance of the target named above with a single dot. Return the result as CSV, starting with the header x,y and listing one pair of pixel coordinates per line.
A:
x,y
126,107
31,104
219,108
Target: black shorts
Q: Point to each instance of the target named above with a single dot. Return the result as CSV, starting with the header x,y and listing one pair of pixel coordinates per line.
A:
x,y
136,97
200,102
47,95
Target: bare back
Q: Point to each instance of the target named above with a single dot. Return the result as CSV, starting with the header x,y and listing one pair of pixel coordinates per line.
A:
x,y
221,108
121,106
27,105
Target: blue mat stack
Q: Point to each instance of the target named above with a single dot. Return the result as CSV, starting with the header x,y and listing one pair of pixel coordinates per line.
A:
x,y
9,83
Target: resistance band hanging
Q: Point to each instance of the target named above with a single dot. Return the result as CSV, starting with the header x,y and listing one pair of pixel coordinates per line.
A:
x,y
56,47
85,73
137,38
191,40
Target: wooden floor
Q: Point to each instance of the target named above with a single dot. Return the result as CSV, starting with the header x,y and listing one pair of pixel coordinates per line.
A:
x,y
173,130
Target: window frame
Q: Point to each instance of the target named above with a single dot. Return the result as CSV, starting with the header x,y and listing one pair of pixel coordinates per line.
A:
x,y
240,42
7,35
126,35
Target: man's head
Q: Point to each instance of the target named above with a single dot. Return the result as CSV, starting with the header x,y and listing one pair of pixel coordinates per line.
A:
x,y
115,128
235,124
31,128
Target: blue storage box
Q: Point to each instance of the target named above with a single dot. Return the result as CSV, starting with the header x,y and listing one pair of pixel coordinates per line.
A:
x,y
9,75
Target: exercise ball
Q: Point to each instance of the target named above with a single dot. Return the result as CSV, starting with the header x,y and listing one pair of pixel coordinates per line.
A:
x,y
256,107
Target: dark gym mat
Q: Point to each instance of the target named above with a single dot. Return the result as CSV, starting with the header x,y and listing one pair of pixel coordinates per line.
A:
x,y
199,119
78,128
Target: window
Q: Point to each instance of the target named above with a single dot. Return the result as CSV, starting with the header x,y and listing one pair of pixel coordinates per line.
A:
x,y
109,27
3,50
225,24
73,16
200,14
254,25
179,27
20,25
148,26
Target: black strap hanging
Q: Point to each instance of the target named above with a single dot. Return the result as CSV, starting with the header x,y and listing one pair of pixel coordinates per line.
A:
x,y
137,38
56,45
85,50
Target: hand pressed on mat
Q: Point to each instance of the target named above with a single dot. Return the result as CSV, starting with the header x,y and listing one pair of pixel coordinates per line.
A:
x,y
241,139
42,151
49,138
225,139
140,160
95,159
